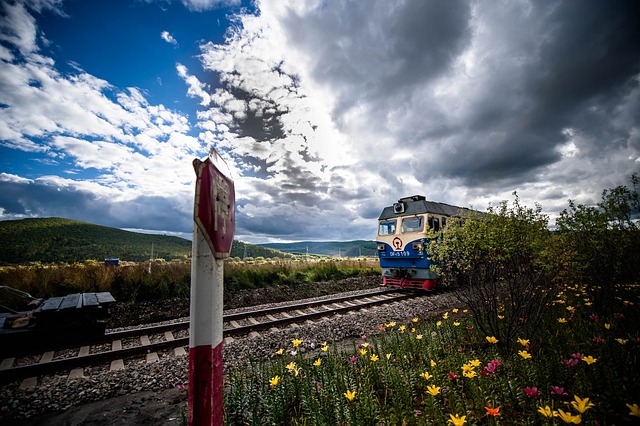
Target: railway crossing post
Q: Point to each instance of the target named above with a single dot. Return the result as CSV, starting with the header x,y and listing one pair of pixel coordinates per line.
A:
x,y
214,226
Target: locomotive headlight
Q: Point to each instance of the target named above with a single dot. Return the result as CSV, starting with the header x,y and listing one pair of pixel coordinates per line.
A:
x,y
380,247
417,246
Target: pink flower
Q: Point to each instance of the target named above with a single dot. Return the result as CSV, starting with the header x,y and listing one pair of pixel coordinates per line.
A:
x,y
618,315
453,376
469,327
530,392
577,355
353,359
492,366
597,339
593,317
571,362
557,390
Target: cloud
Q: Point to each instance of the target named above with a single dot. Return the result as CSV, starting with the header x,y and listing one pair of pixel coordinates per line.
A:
x,y
203,5
166,36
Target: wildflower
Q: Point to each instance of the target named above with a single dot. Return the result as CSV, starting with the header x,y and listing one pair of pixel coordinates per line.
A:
x,y
500,316
581,404
456,323
492,366
415,319
607,326
589,359
419,336
438,323
524,354
353,359
469,327
470,374
363,352
274,381
296,342
454,310
374,357
325,347
546,411
577,355
559,391
492,339
291,366
467,367
364,337
571,362
622,341
388,356
457,420
618,315
433,390
465,311
523,342
390,324
597,339
280,351
402,328
475,362
445,315
635,409
453,376
413,330
531,392
426,375
495,412
593,317
350,395
570,308
317,362
569,418
433,363
562,320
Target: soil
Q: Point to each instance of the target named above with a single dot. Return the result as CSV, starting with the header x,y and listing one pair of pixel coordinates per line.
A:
x,y
169,407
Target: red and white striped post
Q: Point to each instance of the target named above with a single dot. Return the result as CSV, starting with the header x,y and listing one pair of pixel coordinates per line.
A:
x,y
214,225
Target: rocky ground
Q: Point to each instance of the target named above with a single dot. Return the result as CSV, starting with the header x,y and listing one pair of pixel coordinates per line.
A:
x,y
147,393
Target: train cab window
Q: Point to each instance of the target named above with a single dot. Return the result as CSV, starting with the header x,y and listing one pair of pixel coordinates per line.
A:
x,y
434,223
387,227
444,222
412,224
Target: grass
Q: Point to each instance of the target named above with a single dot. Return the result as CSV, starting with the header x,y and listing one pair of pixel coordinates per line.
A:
x,y
439,371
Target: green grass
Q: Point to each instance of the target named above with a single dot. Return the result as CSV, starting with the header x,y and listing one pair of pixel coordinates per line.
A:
x,y
579,355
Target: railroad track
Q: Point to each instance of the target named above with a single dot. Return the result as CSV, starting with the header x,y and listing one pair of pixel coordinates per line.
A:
x,y
115,346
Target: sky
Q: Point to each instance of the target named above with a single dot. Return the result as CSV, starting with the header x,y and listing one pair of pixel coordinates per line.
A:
x,y
325,111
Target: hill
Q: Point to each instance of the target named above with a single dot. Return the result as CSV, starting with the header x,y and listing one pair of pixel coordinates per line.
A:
x,y
330,248
51,240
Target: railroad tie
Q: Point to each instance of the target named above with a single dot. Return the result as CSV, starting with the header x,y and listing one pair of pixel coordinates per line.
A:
x,y
254,335
253,321
117,364
84,351
144,340
76,373
29,383
168,336
46,357
152,357
179,351
7,363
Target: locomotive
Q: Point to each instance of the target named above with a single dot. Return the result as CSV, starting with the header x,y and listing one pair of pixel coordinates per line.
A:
x,y
404,231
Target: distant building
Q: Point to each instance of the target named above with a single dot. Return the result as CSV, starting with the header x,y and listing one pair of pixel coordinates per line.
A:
x,y
111,261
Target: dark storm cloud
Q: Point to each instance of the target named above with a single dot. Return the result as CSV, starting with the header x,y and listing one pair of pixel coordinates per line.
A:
x,y
37,199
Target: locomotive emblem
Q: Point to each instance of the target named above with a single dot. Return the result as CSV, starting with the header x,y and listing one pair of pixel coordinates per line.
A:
x,y
397,244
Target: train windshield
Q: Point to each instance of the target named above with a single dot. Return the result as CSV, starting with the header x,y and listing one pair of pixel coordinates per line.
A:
x,y
412,224
387,227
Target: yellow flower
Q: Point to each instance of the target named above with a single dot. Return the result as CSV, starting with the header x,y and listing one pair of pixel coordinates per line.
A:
x,y
291,366
280,351
622,341
523,342
415,319
413,330
589,359
350,395
524,354
635,410
467,367
433,390
569,418
456,323
562,320
363,352
457,420
439,323
392,324
607,326
296,342
475,362
374,357
426,375
325,347
492,339
546,411
581,404
402,328
433,363
317,362
454,310
570,308
388,356
500,316
419,336
470,374
274,381
465,311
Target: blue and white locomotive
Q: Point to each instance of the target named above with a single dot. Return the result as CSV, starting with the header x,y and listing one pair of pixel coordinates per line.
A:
x,y
403,235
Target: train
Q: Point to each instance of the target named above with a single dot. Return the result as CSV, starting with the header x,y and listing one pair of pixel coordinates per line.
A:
x,y
403,236
27,322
